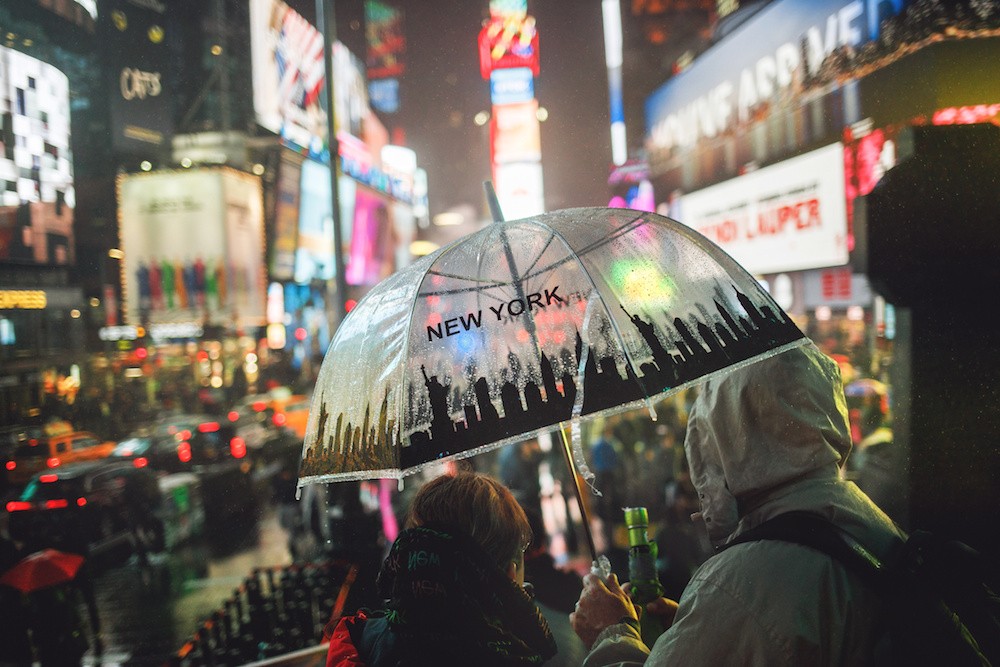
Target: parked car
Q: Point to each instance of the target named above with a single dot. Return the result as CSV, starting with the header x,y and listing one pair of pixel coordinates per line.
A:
x,y
214,449
50,446
89,508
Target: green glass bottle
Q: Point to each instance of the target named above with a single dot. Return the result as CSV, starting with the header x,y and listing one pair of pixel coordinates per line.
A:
x,y
642,575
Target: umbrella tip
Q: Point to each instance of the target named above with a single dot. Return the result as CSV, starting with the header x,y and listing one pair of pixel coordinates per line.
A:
x,y
491,198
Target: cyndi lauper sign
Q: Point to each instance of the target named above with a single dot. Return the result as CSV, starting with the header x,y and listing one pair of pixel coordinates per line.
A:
x,y
786,217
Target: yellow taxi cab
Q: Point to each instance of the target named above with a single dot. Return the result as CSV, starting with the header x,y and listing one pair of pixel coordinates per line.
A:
x,y
287,410
55,444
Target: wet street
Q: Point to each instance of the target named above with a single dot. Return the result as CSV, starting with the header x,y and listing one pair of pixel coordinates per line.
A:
x,y
147,614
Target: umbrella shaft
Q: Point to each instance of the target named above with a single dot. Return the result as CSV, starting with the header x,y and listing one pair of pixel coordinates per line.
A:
x,y
568,455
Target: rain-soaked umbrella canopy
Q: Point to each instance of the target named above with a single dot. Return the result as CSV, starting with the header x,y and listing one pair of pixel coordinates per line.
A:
x,y
526,325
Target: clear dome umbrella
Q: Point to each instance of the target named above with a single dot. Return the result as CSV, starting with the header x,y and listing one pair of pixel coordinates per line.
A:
x,y
527,326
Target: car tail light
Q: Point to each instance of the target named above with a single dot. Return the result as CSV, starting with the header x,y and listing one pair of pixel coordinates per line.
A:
x,y
53,462
184,451
278,419
11,465
238,447
208,427
81,501
59,504
140,462
45,479
18,505
259,406
233,415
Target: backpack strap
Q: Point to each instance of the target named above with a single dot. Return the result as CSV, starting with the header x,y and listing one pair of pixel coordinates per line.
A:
x,y
812,530
922,629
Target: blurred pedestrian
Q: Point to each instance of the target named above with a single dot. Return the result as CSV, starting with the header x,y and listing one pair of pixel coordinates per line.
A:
x,y
57,630
555,593
519,472
453,580
606,466
762,441
15,642
881,468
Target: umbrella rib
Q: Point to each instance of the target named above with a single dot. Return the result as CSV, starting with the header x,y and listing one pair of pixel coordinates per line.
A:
x,y
541,252
467,278
546,269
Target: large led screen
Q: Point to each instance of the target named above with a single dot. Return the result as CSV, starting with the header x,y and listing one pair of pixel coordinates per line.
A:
x,y
36,164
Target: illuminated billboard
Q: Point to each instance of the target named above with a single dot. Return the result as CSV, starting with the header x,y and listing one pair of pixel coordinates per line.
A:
x,y
508,41
519,189
314,255
786,217
135,38
288,75
287,56
287,191
805,73
373,242
36,163
386,40
194,247
515,133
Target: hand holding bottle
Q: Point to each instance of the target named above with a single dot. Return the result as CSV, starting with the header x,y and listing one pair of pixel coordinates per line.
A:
x,y
644,583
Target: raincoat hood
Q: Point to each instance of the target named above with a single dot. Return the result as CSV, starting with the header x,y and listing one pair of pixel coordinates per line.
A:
x,y
760,427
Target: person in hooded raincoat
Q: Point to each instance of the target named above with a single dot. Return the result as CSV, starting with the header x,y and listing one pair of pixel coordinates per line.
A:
x,y
763,440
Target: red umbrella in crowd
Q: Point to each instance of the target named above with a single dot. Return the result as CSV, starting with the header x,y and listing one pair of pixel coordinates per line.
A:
x,y
526,326
48,567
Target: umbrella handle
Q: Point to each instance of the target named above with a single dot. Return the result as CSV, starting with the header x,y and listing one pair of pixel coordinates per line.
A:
x,y
568,455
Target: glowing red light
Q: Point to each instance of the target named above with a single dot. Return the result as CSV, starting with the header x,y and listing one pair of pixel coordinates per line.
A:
x,y
279,419
184,452
208,427
349,304
233,415
238,447
141,353
141,462
45,479
11,465
18,505
202,355
184,435
56,504
53,462
80,502
259,406
301,334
